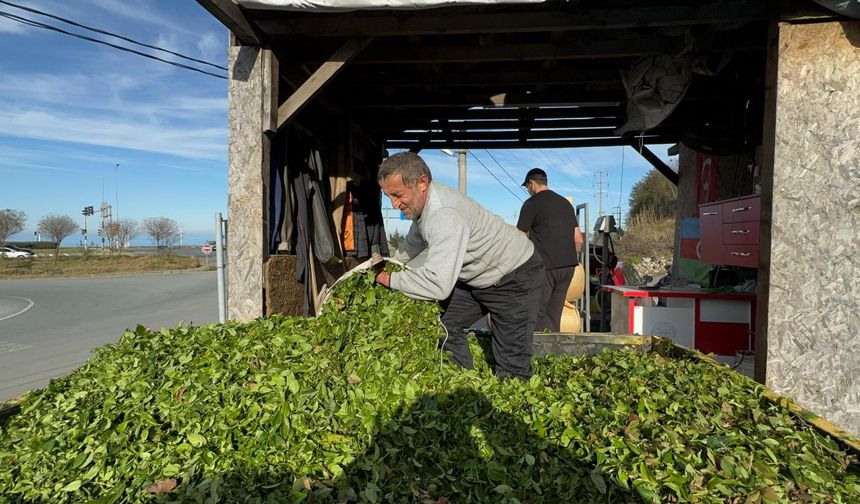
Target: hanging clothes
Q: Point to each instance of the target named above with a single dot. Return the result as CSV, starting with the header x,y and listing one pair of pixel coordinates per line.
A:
x,y
347,224
324,244
368,228
282,198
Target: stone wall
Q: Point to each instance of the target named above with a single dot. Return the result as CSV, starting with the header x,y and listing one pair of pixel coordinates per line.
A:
x,y
813,333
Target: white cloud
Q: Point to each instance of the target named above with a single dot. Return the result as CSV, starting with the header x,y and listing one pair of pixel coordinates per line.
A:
x,y
140,11
212,46
199,143
10,26
105,93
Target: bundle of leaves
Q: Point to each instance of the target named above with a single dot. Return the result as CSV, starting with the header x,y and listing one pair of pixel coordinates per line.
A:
x,y
359,405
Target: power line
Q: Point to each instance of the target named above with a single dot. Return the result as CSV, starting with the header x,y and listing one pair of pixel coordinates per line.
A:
x,y
549,164
561,172
525,165
492,175
503,169
38,24
110,34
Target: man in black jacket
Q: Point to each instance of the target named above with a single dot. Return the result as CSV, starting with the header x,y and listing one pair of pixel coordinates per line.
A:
x,y
550,221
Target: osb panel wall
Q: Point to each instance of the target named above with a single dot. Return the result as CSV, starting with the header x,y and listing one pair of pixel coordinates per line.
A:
x,y
247,90
813,347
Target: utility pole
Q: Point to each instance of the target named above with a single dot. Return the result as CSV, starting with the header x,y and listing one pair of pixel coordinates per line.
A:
x,y
601,191
116,207
461,168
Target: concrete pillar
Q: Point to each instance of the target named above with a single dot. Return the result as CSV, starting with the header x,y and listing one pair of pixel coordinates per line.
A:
x,y
252,110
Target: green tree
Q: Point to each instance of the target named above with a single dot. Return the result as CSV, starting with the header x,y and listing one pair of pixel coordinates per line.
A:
x,y
394,241
653,194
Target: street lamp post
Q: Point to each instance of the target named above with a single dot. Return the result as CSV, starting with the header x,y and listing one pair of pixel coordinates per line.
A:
x,y
116,197
461,168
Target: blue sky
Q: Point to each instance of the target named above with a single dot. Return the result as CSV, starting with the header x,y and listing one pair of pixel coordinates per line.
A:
x,y
71,110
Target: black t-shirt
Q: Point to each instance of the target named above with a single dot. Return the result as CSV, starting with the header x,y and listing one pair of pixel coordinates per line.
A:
x,y
550,221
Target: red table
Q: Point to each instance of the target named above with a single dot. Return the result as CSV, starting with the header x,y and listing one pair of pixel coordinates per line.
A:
x,y
711,323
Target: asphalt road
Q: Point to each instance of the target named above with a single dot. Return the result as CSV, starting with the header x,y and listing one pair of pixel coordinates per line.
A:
x,y
49,326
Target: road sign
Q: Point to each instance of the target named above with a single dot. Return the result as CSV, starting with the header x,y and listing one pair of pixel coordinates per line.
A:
x,y
206,248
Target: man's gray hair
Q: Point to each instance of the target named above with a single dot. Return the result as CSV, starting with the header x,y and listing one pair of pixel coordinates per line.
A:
x,y
408,165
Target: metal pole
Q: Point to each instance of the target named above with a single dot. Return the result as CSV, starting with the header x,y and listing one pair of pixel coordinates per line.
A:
x,y
604,280
219,267
116,196
461,164
586,256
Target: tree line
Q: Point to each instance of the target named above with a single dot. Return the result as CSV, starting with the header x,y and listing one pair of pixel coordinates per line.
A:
x,y
164,232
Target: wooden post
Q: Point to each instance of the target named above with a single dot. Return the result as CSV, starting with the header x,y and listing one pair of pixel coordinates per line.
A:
x,y
766,180
318,80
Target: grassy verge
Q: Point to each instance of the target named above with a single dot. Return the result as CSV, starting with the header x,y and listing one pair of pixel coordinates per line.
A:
x,y
646,236
93,265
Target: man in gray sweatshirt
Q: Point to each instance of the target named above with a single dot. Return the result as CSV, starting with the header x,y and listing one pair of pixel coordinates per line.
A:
x,y
471,260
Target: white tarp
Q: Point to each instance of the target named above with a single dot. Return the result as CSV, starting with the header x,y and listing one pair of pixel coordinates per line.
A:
x,y
348,5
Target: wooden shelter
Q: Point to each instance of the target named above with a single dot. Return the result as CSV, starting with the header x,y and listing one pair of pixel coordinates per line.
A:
x,y
769,88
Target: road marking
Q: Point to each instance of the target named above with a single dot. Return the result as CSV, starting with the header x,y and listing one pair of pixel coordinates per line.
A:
x,y
30,305
7,347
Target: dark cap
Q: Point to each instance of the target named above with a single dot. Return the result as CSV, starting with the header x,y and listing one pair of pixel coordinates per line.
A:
x,y
535,174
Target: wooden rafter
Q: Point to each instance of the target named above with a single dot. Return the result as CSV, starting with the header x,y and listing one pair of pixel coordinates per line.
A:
x,y
456,135
590,47
655,161
498,113
516,99
533,144
320,77
585,48
515,124
413,78
231,16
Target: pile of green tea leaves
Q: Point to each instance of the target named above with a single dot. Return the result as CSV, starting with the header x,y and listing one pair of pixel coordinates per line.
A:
x,y
357,405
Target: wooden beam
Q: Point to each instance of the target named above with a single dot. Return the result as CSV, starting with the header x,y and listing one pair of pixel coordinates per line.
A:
x,y
532,144
655,161
515,124
231,16
513,135
412,78
583,48
495,113
320,77
574,18
516,99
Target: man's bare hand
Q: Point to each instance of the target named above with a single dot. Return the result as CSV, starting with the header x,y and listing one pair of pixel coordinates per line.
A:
x,y
384,278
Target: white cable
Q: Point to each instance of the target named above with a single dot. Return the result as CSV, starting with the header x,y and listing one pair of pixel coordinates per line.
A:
x,y
442,348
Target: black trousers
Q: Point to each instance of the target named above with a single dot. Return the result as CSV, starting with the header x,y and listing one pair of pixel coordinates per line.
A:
x,y
555,285
513,303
